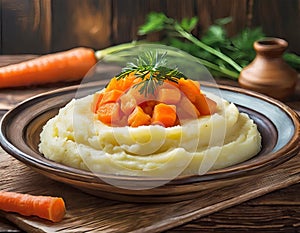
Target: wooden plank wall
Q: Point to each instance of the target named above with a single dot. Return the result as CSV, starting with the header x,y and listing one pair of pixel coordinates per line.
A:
x,y
43,26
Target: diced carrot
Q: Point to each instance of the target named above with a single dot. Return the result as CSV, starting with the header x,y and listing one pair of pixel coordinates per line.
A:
x,y
168,82
127,103
164,114
169,95
190,88
96,101
186,109
109,113
138,118
148,106
205,105
139,98
111,96
112,84
122,84
50,208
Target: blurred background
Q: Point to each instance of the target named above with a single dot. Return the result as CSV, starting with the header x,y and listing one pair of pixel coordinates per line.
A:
x,y
43,26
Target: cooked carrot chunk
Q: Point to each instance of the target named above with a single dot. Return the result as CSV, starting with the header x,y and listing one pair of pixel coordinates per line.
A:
x,y
148,106
128,103
168,82
111,96
169,95
139,98
164,114
109,113
190,88
205,105
186,109
138,118
121,84
96,101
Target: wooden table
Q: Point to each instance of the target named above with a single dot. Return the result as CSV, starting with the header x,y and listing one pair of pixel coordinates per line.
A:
x,y
278,211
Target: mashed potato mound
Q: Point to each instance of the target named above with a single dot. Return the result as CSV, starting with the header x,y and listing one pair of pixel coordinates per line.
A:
x,y
75,137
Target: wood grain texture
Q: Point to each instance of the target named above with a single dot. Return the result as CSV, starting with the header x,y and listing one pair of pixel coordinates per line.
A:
x,y
41,26
26,26
127,16
279,18
180,9
88,213
81,23
209,11
1,46
249,218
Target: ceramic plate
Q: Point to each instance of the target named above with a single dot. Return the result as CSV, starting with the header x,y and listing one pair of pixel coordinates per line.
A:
x,y
277,123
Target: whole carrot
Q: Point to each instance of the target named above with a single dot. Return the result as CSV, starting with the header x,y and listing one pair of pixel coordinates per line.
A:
x,y
68,65
51,208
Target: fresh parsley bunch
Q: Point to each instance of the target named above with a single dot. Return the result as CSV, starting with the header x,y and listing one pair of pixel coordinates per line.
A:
x,y
223,55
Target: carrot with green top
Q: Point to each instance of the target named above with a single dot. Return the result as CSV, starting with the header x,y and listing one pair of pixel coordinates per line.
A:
x,y
46,207
64,66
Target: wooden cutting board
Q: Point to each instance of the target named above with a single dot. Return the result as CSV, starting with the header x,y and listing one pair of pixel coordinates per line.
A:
x,y
86,213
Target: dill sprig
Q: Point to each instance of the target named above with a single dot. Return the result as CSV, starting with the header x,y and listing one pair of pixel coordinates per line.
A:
x,y
152,68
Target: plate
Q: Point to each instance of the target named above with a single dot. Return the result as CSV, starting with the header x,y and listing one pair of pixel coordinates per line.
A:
x,y
278,124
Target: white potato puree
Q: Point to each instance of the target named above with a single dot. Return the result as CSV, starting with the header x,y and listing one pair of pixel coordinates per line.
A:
x,y
76,138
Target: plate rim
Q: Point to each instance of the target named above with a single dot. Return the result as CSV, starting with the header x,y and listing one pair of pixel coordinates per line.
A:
x,y
82,175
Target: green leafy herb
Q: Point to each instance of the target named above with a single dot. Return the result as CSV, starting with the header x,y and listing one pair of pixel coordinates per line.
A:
x,y
223,55
152,68
183,30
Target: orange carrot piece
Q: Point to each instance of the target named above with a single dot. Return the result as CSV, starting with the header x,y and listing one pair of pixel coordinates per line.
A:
x,y
121,84
169,95
109,113
164,114
111,96
127,103
190,88
139,98
63,66
96,101
46,207
148,106
168,82
186,109
138,118
205,105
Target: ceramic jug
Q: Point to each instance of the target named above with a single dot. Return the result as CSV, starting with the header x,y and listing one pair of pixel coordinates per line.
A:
x,y
268,73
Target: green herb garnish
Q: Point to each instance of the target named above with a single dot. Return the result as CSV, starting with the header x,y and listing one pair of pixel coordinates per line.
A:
x,y
152,68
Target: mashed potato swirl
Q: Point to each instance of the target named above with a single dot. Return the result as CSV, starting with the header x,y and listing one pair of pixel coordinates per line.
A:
x,y
74,137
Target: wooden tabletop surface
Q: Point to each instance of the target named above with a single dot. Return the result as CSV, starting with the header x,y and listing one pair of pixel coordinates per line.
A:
x,y
278,211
